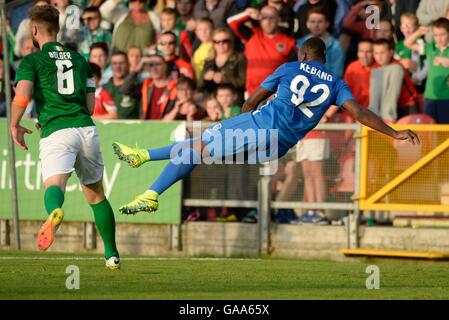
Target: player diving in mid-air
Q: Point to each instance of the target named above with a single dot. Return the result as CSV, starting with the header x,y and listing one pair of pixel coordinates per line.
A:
x,y
61,82
304,91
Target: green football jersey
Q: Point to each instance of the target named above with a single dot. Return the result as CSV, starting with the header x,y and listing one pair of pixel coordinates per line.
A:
x,y
62,78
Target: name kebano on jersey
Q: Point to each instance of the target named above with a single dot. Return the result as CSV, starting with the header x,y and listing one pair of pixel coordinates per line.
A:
x,y
316,72
60,55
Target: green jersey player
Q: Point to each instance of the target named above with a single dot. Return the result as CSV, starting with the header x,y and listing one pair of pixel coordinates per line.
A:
x,y
63,88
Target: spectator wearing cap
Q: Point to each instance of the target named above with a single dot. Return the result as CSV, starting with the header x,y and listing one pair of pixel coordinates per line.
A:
x,y
133,26
265,47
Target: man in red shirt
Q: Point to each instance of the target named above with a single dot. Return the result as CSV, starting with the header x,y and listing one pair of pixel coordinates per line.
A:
x,y
357,74
265,47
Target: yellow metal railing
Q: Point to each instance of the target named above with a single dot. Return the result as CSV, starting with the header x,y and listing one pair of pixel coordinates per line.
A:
x,y
399,176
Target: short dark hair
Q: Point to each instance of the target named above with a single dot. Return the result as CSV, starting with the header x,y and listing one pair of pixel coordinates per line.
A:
x,y
92,9
46,17
189,82
315,48
441,23
226,86
318,10
171,33
366,40
96,70
384,42
119,53
100,45
169,11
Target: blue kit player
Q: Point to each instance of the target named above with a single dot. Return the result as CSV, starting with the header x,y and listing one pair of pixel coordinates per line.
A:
x,y
303,92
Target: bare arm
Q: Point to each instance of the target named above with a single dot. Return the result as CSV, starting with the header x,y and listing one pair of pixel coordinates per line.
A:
x,y
369,119
24,92
91,102
257,97
411,42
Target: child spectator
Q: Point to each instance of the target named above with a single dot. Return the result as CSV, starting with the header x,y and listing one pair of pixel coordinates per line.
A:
x,y
436,93
169,24
92,31
203,32
104,103
317,24
226,97
414,62
213,109
392,92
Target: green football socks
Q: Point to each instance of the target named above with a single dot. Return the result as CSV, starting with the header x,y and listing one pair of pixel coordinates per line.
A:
x,y
105,221
53,198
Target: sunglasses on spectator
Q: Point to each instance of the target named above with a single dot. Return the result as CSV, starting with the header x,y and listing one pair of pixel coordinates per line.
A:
x,y
224,41
263,17
170,43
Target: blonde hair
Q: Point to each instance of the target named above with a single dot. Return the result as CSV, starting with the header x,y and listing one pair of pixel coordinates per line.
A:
x,y
411,16
212,53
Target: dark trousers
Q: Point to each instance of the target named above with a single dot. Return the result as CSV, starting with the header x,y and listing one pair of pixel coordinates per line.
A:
x,y
437,109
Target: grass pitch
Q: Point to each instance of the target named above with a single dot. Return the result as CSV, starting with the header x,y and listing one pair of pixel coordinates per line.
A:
x,y
31,275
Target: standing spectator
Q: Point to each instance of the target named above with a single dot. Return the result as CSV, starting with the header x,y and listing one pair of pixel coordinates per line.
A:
x,y
355,21
23,31
168,24
186,21
312,151
184,107
215,10
104,103
414,62
126,99
287,18
401,7
392,92
436,93
92,31
159,91
26,48
227,98
385,31
357,74
265,47
224,65
318,24
303,12
134,56
203,32
68,33
177,67
431,10
99,55
2,88
133,27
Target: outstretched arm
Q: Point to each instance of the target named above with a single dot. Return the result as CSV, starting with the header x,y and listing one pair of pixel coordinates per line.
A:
x,y
369,119
257,97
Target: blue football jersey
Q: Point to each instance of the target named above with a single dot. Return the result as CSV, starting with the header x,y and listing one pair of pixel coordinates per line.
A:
x,y
304,92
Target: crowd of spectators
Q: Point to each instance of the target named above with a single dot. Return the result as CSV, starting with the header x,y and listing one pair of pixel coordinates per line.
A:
x,y
199,59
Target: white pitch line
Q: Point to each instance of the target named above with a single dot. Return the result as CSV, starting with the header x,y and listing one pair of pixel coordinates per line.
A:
x,y
128,259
